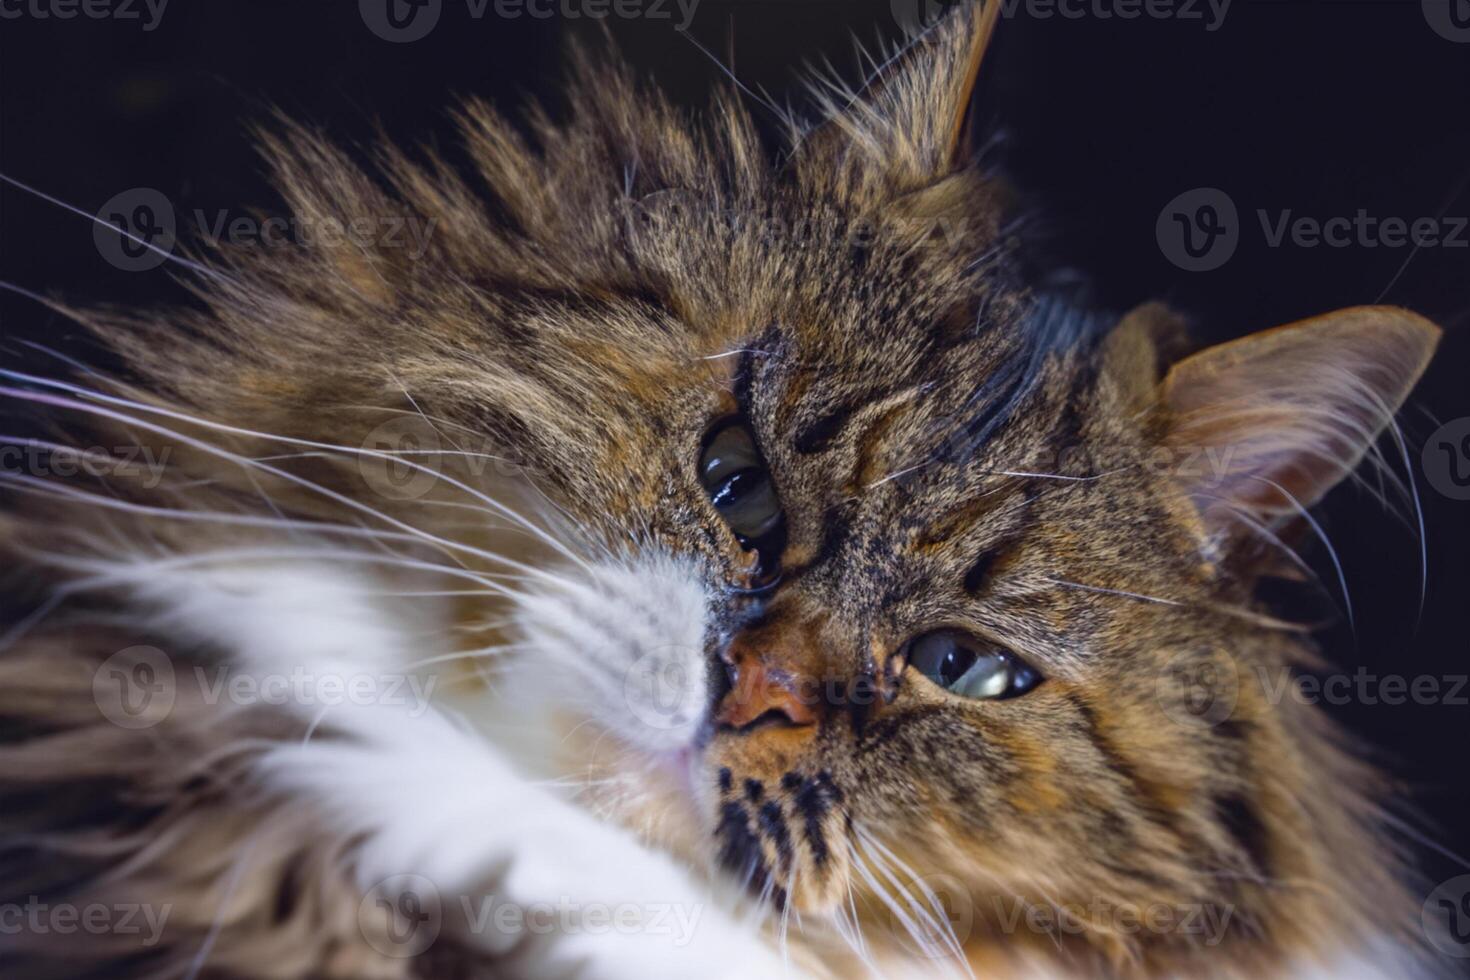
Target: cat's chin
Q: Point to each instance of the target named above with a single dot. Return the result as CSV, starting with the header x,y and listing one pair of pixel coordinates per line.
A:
x,y
685,782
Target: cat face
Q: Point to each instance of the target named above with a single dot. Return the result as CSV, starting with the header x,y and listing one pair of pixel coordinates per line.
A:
x,y
957,580
975,578
976,569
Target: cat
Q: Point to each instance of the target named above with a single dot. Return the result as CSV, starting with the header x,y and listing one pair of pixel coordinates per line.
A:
x,y
696,561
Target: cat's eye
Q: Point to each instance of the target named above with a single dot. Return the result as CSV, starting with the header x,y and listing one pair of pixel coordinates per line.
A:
x,y
735,477
970,667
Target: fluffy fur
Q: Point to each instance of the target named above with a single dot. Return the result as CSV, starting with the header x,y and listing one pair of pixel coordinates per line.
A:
x,y
472,472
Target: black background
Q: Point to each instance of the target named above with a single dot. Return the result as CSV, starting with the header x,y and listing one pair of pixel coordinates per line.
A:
x,y
1319,106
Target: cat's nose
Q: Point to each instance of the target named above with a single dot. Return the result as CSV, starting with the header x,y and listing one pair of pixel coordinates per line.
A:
x,y
760,695
767,685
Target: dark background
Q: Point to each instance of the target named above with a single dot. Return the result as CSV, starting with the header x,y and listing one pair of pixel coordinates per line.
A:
x,y
1320,106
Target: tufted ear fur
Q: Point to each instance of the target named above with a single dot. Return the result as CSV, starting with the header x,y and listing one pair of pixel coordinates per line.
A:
x,y
909,125
1146,339
1289,412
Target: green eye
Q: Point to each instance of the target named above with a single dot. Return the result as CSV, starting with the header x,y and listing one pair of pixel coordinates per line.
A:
x,y
735,477
970,667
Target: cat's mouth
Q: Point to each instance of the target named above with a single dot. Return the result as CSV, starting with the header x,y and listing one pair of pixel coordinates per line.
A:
x,y
687,763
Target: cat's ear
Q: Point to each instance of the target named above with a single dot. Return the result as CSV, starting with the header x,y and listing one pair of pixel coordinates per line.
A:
x,y
909,125
1274,420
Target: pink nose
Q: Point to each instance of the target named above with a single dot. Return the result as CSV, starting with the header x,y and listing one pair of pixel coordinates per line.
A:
x,y
768,680
765,693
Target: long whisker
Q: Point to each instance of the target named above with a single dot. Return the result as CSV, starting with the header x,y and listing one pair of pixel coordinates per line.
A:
x,y
217,926
30,620
938,921
881,892
849,925
1398,437
251,433
169,256
764,103
1028,475
104,574
786,907
445,543
479,653
1306,515
51,489
1118,592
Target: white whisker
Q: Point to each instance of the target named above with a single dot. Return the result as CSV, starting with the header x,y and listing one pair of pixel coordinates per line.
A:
x,y
251,433
1118,592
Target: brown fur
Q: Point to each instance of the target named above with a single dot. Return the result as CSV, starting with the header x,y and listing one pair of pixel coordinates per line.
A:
x,y
584,306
